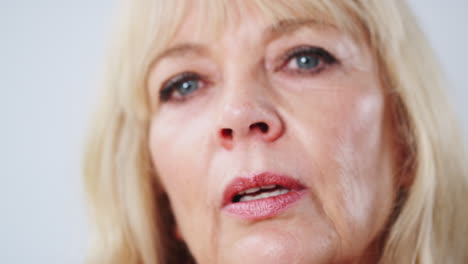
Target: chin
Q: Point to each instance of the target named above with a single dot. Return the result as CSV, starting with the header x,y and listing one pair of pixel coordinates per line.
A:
x,y
278,241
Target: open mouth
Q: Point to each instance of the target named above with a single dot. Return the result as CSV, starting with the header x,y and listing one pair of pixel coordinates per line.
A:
x,y
261,192
262,196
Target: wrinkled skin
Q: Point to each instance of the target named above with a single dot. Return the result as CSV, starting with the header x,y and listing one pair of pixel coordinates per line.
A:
x,y
329,129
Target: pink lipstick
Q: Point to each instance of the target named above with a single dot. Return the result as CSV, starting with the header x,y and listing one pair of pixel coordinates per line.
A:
x,y
263,196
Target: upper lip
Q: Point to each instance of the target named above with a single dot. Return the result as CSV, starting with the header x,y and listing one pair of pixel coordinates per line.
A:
x,y
262,179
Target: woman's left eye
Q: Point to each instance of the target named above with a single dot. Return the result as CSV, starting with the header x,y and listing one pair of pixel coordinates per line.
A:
x,y
308,59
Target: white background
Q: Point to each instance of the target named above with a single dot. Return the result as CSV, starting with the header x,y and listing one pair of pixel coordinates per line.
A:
x,y
50,58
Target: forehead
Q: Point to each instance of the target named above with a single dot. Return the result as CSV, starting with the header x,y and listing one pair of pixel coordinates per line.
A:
x,y
209,19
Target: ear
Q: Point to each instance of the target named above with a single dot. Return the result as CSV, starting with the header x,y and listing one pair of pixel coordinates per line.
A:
x,y
405,162
177,233
406,178
403,143
404,166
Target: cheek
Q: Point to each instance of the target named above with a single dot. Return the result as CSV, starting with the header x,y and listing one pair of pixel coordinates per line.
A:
x,y
181,170
182,152
361,178
353,170
359,154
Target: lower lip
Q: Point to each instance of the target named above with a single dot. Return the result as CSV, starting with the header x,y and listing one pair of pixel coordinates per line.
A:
x,y
264,208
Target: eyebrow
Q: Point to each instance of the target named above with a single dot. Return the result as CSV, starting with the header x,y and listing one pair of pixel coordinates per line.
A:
x,y
287,26
182,50
282,27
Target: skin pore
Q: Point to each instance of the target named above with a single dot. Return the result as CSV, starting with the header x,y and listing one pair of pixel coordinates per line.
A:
x,y
287,97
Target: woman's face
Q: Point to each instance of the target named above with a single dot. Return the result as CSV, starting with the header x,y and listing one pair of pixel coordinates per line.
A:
x,y
272,142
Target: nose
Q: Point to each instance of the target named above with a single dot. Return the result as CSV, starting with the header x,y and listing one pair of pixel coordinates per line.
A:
x,y
244,120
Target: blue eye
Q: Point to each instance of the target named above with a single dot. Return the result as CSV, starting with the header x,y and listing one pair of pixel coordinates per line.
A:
x,y
307,62
180,86
308,59
187,87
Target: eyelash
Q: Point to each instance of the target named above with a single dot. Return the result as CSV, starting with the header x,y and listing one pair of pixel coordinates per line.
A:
x,y
169,87
325,59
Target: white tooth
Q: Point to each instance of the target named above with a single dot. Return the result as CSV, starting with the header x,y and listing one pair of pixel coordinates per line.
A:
x,y
247,198
275,193
241,193
267,187
252,190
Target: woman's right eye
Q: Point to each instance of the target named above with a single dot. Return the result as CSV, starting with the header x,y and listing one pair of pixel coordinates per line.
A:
x,y
180,87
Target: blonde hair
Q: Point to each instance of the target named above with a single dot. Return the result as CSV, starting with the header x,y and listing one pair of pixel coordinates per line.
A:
x,y
133,217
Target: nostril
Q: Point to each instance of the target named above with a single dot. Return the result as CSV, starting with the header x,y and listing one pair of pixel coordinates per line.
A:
x,y
263,127
226,133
